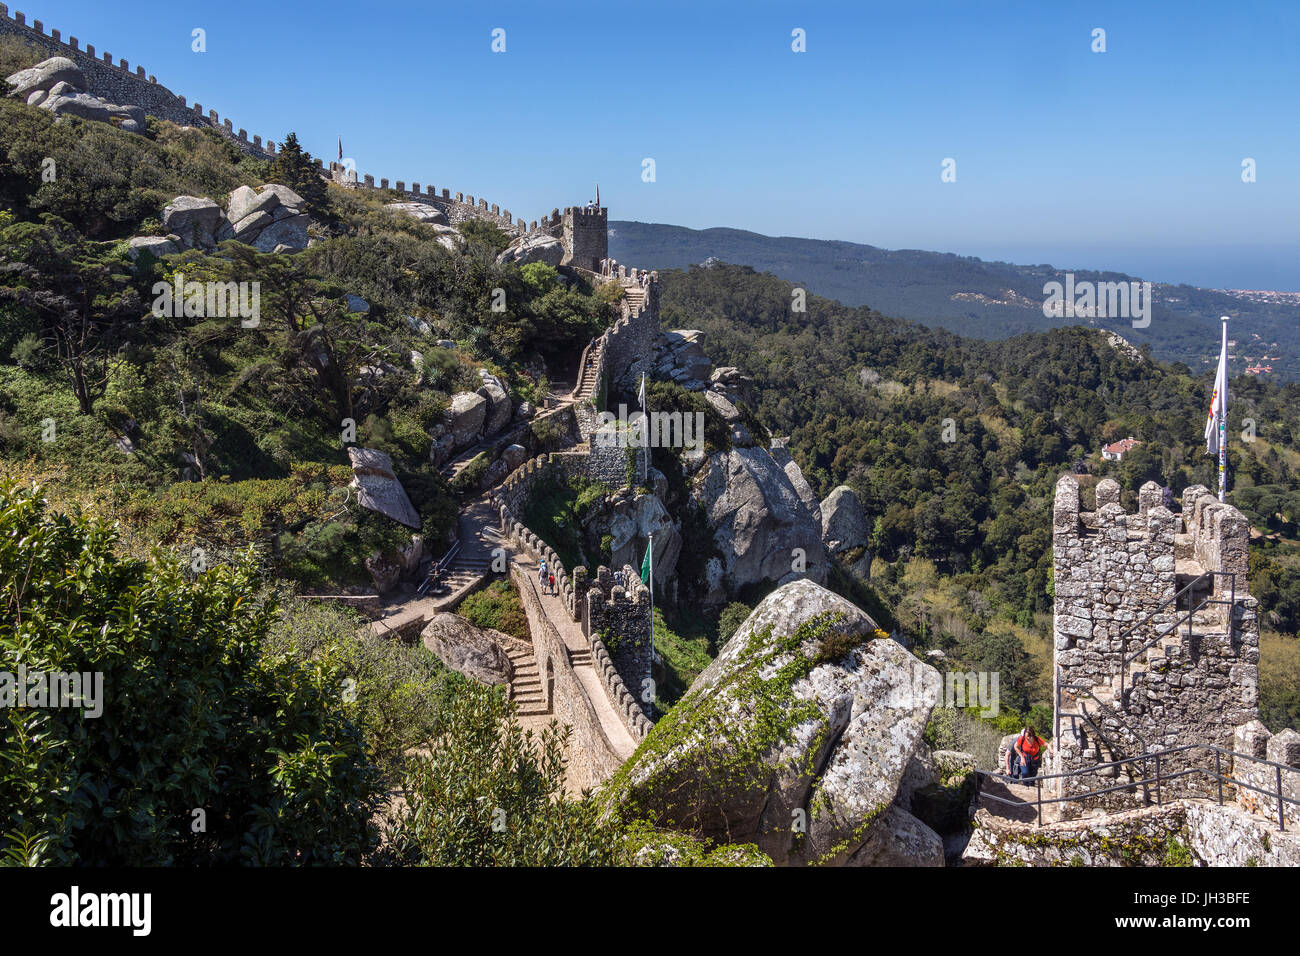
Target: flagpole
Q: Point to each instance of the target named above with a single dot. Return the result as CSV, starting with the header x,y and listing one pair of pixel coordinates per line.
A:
x,y
1223,420
651,547
645,435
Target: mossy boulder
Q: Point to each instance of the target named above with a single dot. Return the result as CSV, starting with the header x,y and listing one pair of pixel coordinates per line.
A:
x,y
794,739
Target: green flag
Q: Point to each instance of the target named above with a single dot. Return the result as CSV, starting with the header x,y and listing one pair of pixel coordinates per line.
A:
x,y
645,563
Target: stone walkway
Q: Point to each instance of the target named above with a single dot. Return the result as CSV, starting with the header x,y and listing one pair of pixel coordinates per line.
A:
x,y
579,649
480,534
1023,809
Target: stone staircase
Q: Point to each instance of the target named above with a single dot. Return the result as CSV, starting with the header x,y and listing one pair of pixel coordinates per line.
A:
x,y
581,657
526,687
1112,738
455,465
635,296
464,571
589,374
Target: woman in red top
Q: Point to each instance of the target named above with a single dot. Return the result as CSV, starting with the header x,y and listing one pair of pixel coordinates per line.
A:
x,y
1028,752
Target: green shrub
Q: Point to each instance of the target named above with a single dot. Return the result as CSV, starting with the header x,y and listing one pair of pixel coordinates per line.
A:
x,y
729,621
485,233
471,476
487,795
497,607
400,689
198,724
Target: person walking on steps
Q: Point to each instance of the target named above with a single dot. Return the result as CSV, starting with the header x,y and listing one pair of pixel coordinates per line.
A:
x,y
541,573
1026,754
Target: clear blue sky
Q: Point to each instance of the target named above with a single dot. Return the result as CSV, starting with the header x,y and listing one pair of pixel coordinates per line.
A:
x,y
1129,159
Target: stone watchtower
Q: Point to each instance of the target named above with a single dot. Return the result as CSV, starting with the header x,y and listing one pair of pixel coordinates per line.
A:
x,y
1156,639
585,236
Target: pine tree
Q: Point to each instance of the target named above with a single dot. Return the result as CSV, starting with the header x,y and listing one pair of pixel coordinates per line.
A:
x,y
293,167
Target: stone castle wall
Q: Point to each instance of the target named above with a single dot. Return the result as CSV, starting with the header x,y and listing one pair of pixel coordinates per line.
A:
x,y
1114,574
585,236
630,342
592,759
458,207
510,499
620,617
118,83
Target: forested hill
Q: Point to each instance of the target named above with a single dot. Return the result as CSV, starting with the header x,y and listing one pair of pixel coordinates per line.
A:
x,y
954,446
988,300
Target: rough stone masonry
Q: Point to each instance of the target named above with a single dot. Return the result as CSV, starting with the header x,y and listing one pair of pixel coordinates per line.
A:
x,y
1116,578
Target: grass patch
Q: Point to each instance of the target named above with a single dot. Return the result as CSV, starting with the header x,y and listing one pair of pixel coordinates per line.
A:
x,y
685,647
497,607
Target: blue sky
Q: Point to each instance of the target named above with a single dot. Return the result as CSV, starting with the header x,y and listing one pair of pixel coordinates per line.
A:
x,y
1128,159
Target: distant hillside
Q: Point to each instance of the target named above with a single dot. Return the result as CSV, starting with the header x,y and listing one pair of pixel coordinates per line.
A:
x,y
989,300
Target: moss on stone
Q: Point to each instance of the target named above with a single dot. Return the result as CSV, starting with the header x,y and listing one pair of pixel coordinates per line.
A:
x,y
725,764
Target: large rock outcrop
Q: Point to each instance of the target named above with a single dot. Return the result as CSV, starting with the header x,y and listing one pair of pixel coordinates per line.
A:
x,y
59,85
535,247
474,652
781,455
462,422
378,488
845,530
272,218
634,520
420,212
761,527
500,409
682,359
796,739
269,218
192,222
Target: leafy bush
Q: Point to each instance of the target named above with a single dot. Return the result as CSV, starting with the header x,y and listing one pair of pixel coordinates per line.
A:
x,y
399,689
951,728
497,607
471,476
729,621
503,807
200,730
485,233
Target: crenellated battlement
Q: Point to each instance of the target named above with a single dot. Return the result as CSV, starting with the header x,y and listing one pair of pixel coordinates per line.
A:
x,y
116,81
585,234
458,207
1155,635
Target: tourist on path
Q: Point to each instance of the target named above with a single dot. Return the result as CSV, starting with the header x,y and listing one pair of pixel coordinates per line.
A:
x,y
1027,752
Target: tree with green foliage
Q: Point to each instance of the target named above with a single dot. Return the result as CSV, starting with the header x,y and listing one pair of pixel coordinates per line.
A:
x,y
82,293
488,793
293,167
206,751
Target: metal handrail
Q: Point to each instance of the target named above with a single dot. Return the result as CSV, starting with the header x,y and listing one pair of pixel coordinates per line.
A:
x,y
1187,589
1159,778
1109,710
439,566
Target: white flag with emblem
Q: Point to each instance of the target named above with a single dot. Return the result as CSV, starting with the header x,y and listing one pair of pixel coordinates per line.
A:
x,y
1219,403
640,396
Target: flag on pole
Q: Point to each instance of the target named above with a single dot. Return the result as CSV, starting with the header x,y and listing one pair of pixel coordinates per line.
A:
x,y
645,562
640,395
340,148
1216,424
1219,401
